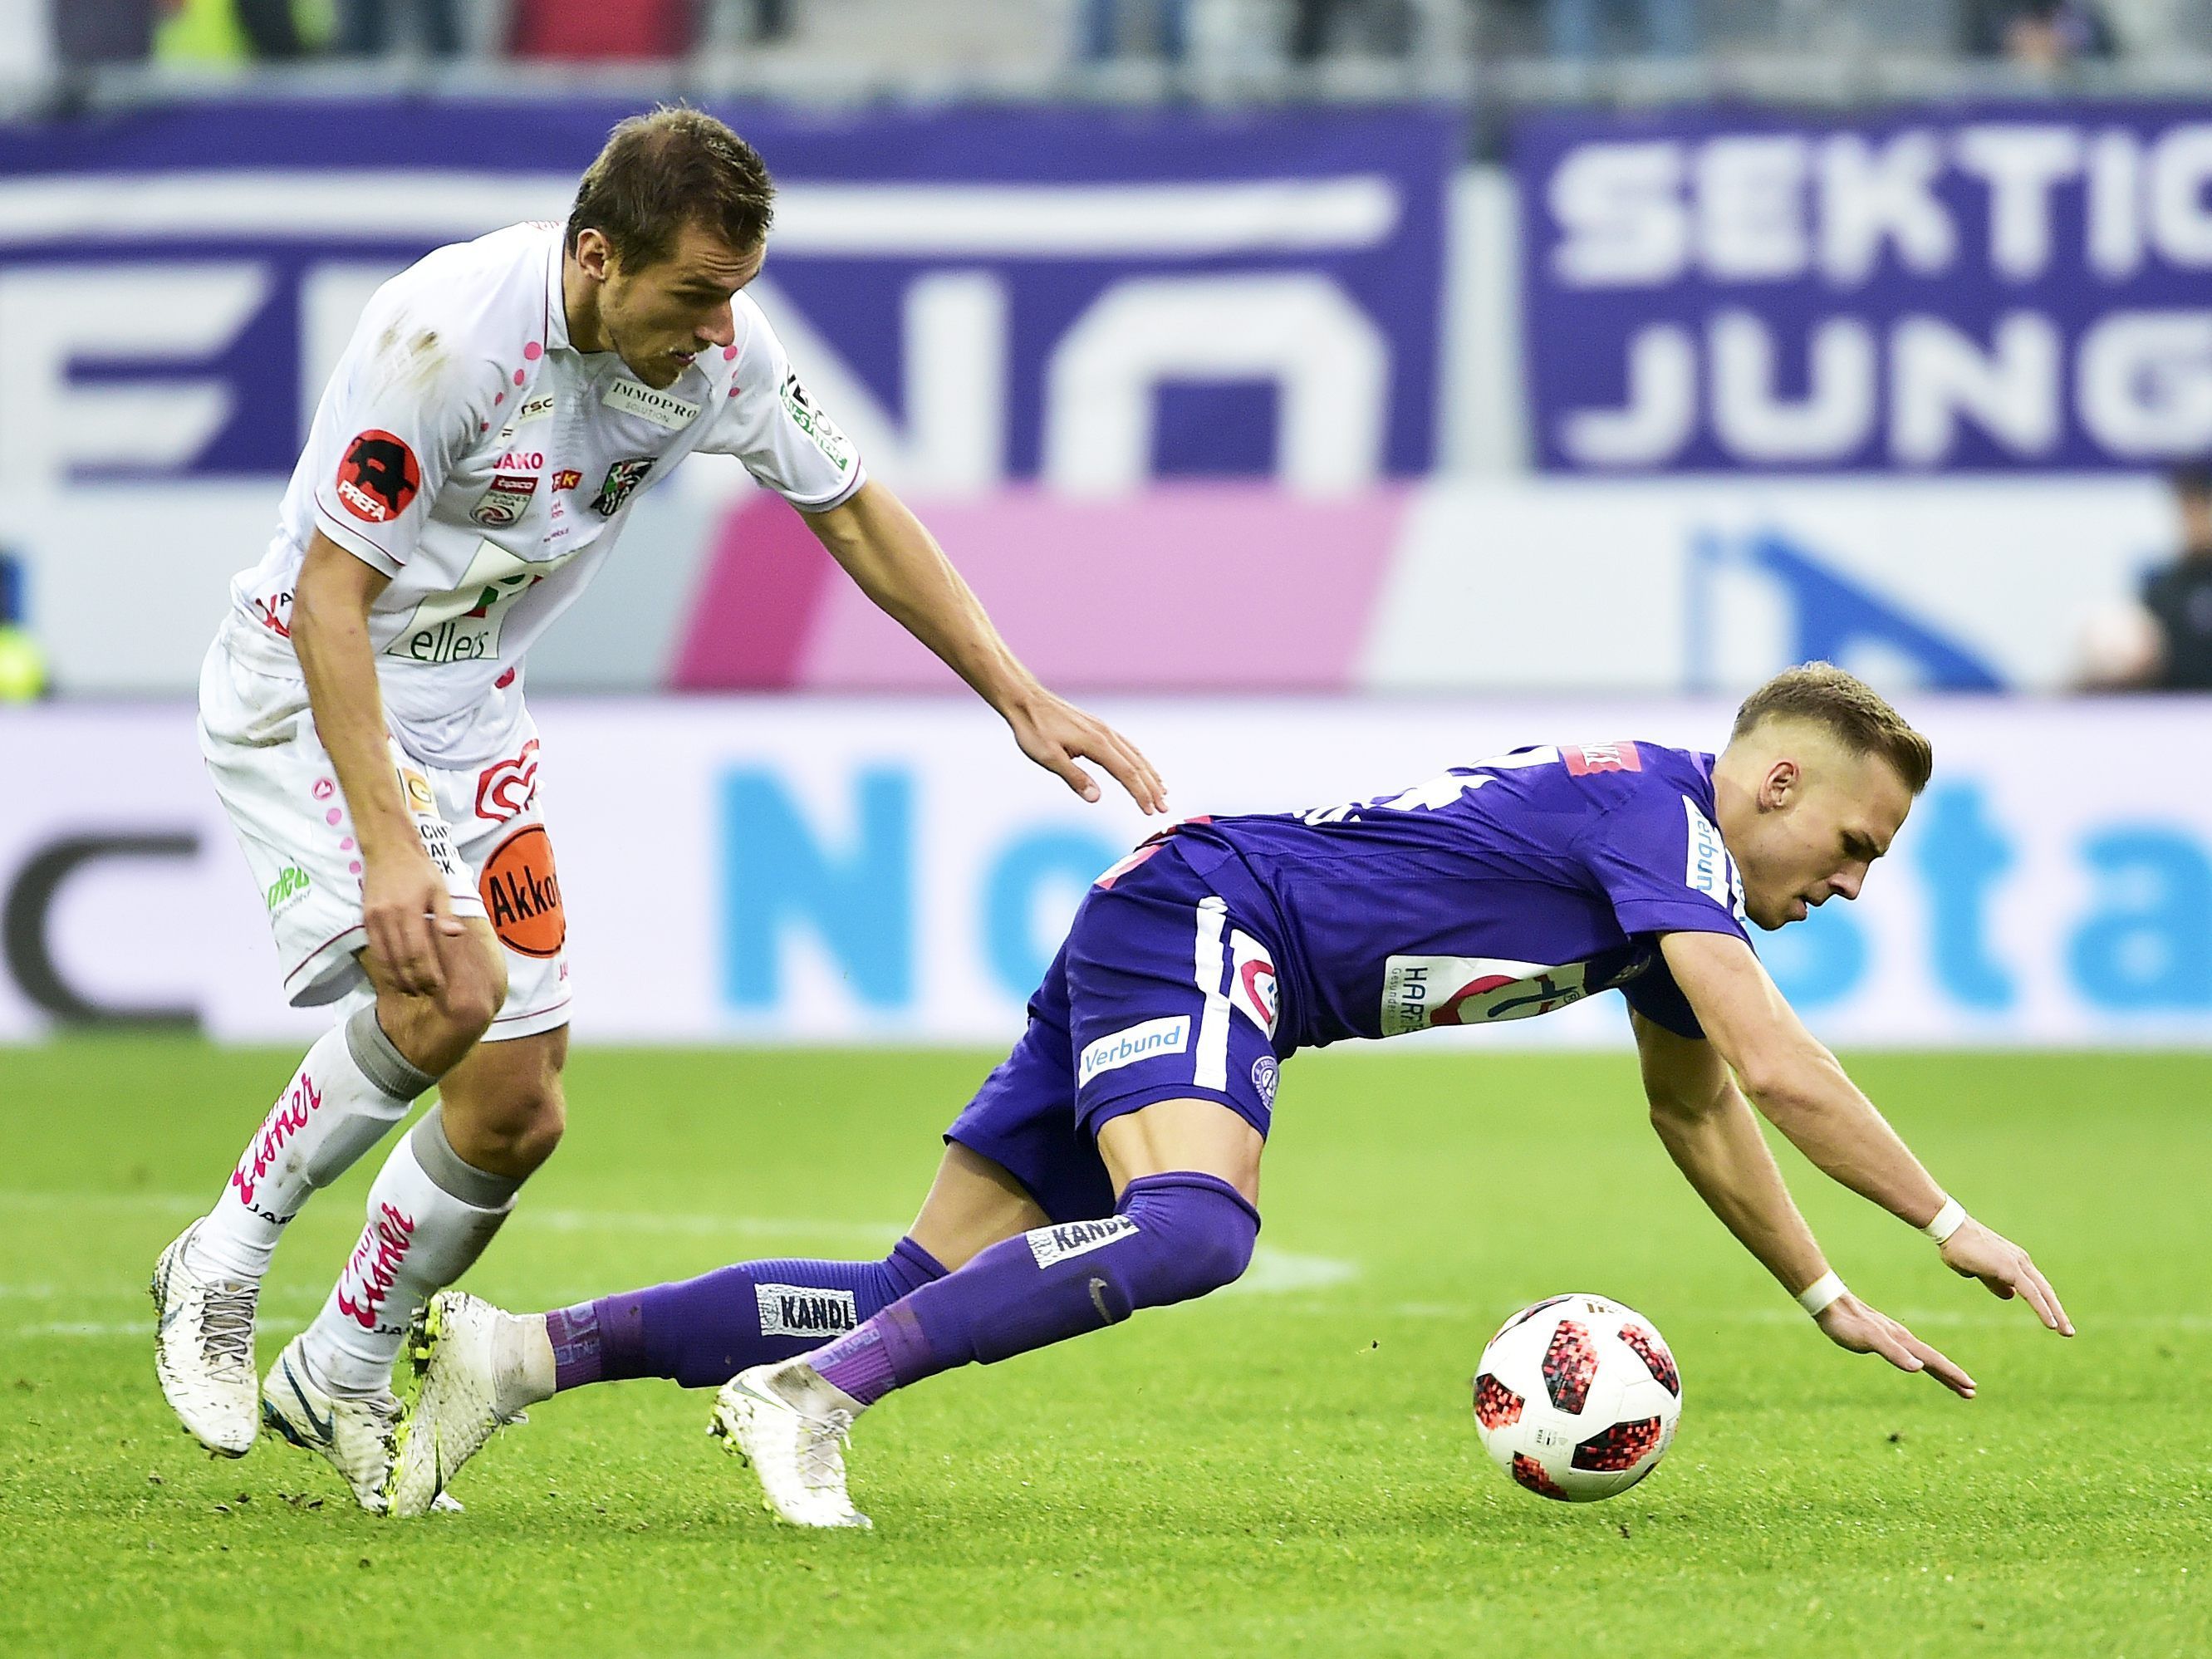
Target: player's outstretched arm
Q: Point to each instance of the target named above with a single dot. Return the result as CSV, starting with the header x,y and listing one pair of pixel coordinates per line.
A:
x,y
897,563
1794,1079
1707,1129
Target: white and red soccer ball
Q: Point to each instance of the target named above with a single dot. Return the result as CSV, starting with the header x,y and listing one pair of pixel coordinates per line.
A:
x,y
1576,1397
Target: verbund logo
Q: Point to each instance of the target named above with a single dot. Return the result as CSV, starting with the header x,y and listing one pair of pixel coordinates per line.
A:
x,y
1135,1043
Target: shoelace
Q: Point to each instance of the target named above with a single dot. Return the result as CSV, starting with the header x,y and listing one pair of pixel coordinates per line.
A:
x,y
821,1460
227,1326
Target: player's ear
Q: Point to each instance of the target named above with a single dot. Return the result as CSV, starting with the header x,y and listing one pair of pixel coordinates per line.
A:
x,y
594,257
1781,785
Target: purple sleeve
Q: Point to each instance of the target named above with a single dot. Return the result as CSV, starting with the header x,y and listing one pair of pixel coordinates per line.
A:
x,y
1659,861
1655,994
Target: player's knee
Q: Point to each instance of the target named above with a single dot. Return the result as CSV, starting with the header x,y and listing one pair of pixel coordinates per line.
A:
x,y
524,1134
474,992
1202,1233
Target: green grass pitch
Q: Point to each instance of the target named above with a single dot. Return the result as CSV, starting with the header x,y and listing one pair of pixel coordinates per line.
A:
x,y
1289,1468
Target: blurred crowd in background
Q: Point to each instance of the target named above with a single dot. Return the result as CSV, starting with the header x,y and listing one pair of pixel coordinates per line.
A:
x,y
2036,35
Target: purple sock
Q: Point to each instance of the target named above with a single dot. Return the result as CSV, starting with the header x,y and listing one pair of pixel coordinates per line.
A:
x,y
701,1332
1175,1237
577,1356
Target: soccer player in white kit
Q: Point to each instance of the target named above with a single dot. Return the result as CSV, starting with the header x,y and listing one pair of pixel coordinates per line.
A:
x,y
474,457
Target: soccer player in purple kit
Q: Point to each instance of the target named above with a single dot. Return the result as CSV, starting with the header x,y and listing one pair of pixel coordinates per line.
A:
x,y
1112,1161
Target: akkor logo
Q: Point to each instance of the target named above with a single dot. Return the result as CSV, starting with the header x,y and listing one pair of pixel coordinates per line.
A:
x,y
1170,1035
804,1310
567,479
509,787
522,895
378,477
375,1267
1051,1244
286,1119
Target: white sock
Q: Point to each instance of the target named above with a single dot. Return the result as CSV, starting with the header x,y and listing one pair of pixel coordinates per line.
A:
x,y
421,1236
347,1095
522,1357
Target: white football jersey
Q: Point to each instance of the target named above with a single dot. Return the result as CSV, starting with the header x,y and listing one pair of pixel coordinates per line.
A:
x,y
467,451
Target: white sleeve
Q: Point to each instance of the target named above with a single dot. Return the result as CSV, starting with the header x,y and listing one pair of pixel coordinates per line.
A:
x,y
399,411
784,438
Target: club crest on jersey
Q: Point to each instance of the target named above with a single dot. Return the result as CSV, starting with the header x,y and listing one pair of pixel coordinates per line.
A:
x,y
620,484
1420,992
506,502
378,477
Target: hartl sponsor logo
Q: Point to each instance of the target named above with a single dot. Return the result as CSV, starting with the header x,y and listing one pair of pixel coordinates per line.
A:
x,y
285,1120
375,1268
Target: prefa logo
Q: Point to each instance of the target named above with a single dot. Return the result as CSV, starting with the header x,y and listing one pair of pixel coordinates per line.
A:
x,y
375,1267
286,1119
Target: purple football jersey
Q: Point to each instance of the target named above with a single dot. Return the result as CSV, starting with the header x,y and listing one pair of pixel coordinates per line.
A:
x,y
1498,891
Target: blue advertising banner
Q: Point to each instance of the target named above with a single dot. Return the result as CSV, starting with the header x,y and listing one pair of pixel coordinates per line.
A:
x,y
1093,299
1962,289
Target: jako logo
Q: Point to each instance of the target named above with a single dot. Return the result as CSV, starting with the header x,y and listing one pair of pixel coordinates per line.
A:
x,y
1154,1036
804,1310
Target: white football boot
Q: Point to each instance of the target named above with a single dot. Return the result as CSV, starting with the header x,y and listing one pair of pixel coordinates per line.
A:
x,y
792,1428
454,1401
354,1432
203,1350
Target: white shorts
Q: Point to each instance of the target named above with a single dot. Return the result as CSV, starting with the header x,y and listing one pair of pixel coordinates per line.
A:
x,y
480,824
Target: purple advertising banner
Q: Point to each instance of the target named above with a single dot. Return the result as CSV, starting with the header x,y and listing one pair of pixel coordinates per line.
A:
x,y
1093,299
2006,289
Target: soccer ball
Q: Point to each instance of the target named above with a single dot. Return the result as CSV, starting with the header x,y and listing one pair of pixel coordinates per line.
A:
x,y
1578,1397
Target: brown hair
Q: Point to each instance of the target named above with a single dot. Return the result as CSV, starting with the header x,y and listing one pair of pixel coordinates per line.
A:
x,y
661,172
1847,707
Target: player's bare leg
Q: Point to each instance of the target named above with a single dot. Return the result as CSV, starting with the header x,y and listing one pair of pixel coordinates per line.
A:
x,y
353,1086
478,1368
1186,1176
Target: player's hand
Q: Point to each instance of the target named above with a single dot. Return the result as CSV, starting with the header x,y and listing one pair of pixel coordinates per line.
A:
x,y
1976,1252
1850,1324
1055,734
405,908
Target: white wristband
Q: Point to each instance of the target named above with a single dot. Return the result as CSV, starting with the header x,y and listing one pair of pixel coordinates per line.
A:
x,y
1816,1296
1949,1220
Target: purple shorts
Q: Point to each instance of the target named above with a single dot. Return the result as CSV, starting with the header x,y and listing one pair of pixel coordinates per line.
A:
x,y
1159,994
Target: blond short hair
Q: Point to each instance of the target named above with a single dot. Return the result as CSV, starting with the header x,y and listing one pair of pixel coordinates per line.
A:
x,y
1847,707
